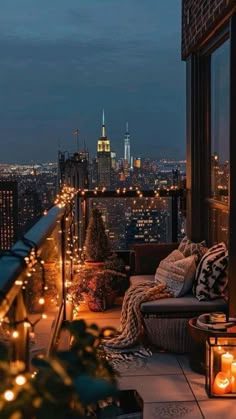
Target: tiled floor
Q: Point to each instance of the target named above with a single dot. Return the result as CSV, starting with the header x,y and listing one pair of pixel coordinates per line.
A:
x,y
167,385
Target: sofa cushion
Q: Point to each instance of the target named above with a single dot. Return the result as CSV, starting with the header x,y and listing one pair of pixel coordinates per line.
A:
x,y
211,275
187,304
177,273
188,248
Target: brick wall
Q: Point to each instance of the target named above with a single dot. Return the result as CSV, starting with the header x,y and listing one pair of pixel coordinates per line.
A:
x,y
199,18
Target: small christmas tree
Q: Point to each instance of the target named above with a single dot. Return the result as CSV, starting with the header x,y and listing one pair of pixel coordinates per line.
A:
x,y
97,248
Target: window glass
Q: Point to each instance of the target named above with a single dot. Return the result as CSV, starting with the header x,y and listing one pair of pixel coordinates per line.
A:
x,y
220,88
219,226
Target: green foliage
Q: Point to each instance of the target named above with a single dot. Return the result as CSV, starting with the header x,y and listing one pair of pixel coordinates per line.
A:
x,y
116,274
97,247
66,386
115,263
98,284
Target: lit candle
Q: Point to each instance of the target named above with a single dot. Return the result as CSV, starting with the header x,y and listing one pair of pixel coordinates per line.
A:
x,y
226,361
233,373
222,384
218,352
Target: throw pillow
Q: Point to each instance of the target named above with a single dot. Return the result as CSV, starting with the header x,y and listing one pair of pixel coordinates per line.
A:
x,y
177,275
172,257
211,275
188,248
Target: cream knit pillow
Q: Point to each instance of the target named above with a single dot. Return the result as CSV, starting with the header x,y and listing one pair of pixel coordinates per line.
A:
x,y
177,275
172,257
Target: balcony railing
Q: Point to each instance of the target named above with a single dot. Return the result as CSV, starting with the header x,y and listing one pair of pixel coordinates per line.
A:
x,y
33,280
35,273
133,216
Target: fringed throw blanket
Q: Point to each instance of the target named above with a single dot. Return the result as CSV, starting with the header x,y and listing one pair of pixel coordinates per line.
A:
x,y
131,316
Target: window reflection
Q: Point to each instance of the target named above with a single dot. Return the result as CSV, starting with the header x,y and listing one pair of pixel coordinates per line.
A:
x,y
219,226
220,123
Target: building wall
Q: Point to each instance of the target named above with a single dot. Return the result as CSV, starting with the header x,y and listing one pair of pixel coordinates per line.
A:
x,y
104,169
8,214
200,18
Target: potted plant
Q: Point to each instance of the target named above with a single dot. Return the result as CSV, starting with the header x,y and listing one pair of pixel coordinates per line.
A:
x,y
69,384
93,286
100,286
97,247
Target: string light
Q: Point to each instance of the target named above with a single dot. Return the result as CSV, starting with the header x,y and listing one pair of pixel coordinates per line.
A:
x,y
20,380
15,334
9,395
41,301
30,260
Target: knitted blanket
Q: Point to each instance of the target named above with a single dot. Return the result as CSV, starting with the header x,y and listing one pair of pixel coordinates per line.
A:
x,y
131,317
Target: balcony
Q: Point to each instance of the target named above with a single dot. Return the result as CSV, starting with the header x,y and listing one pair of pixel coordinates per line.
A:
x,y
35,275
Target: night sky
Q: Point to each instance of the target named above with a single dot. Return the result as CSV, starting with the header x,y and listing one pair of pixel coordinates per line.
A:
x,y
62,61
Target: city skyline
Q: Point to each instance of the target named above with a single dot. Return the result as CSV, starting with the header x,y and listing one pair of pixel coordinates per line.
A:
x,y
62,64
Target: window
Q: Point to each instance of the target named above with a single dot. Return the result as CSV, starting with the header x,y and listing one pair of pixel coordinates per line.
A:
x,y
219,120
220,88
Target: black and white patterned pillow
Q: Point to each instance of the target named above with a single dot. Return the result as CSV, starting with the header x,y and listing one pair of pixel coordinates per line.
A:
x,y
211,275
189,248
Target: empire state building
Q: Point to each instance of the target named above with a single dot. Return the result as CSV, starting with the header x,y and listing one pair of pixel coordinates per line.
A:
x,y
104,158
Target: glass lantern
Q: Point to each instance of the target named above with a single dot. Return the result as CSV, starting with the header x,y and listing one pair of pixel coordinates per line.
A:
x,y
221,365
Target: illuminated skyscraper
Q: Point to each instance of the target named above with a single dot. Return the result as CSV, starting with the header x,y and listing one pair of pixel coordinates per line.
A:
x,y
104,158
29,208
8,214
127,145
73,172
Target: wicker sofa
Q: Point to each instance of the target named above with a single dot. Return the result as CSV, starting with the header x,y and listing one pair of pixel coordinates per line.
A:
x,y
166,320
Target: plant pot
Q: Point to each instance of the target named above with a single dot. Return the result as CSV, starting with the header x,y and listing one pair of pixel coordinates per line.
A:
x,y
110,298
96,304
95,265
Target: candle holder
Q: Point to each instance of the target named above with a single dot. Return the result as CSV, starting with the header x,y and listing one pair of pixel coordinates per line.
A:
x,y
221,365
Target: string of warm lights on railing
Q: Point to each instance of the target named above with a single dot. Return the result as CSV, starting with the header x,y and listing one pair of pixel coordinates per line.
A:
x,y
29,262
65,197
68,193
17,368
131,191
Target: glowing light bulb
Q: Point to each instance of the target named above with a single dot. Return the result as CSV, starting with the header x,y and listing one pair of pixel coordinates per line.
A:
x,y
9,395
15,334
32,335
20,380
41,301
44,316
18,282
